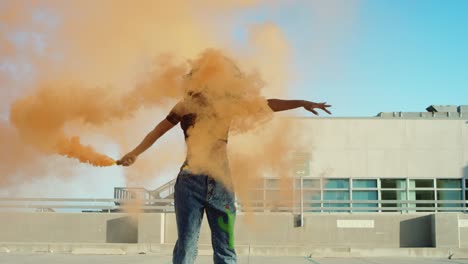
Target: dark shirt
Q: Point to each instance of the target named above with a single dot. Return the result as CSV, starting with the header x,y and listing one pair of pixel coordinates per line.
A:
x,y
186,121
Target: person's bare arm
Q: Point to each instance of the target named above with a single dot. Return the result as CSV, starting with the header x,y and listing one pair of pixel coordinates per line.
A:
x,y
278,105
165,125
147,142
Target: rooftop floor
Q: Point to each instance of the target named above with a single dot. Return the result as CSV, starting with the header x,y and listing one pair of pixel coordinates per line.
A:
x,y
149,259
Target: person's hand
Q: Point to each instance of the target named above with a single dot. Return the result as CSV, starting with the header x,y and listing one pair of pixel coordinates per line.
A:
x,y
127,160
310,106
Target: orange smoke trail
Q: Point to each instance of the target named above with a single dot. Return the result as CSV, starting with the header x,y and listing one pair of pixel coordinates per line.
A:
x,y
41,116
72,148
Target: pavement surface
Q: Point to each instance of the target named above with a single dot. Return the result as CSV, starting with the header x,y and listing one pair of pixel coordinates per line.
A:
x,y
47,258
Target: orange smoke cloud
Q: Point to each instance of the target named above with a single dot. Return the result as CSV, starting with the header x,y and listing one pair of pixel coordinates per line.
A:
x,y
107,44
72,148
41,117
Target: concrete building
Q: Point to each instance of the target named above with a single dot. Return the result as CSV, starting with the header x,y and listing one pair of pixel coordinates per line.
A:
x,y
397,180
398,161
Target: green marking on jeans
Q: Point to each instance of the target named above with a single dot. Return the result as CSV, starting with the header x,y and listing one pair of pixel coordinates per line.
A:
x,y
228,227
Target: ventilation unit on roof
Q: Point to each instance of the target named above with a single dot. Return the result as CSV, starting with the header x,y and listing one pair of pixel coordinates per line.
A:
x,y
442,108
463,109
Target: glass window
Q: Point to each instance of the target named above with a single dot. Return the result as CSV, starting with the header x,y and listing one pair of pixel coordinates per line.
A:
x,y
392,195
365,195
272,183
449,195
310,196
364,183
307,183
393,183
448,183
426,183
311,183
337,184
297,183
336,195
272,195
422,195
255,195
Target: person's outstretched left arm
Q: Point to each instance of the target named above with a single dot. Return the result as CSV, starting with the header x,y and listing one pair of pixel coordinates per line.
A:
x,y
282,105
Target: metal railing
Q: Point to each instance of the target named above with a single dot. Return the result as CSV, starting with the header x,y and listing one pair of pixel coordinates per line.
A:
x,y
128,193
309,206
103,205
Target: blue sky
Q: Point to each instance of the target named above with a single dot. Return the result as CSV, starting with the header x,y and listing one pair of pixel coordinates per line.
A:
x,y
378,55
386,55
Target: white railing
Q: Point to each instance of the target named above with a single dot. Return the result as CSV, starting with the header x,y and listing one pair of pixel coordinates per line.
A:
x,y
317,206
84,204
163,192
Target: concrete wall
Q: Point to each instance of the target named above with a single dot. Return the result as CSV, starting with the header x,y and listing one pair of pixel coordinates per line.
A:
x,y
387,148
320,230
67,227
151,228
324,230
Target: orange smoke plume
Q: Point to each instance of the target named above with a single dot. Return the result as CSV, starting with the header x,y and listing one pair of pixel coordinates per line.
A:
x,y
41,117
72,148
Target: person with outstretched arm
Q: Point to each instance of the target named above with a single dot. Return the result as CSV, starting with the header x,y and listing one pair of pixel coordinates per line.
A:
x,y
196,193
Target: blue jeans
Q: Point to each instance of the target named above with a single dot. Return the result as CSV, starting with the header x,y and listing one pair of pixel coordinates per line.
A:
x,y
193,195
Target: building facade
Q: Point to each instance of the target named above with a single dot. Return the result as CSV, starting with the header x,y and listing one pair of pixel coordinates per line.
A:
x,y
394,162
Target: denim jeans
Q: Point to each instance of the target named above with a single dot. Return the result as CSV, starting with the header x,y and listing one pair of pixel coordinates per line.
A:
x,y
193,195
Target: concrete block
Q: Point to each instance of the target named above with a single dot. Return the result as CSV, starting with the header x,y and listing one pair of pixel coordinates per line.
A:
x,y
122,230
151,228
446,230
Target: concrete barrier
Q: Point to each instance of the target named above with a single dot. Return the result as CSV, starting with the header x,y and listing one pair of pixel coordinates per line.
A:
x,y
324,230
270,230
67,227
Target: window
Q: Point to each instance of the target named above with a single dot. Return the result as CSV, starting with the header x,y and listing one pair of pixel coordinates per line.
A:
x,y
272,195
364,190
449,195
393,183
449,190
337,184
311,183
309,198
335,190
307,184
448,183
429,183
336,196
254,199
422,190
272,183
392,196
365,195
255,195
392,190
364,183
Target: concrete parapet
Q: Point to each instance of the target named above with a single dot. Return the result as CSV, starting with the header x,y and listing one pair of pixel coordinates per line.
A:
x,y
258,233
